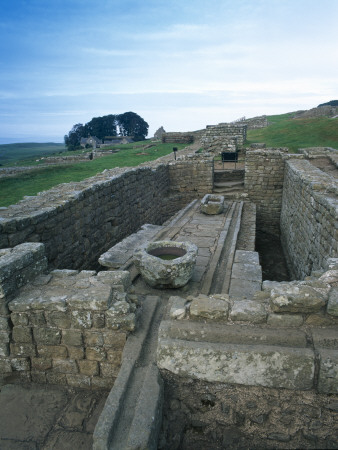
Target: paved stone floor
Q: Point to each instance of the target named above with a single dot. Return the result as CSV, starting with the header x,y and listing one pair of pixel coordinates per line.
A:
x,y
48,417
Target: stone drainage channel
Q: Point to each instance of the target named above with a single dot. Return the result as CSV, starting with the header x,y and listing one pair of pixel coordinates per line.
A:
x,y
132,414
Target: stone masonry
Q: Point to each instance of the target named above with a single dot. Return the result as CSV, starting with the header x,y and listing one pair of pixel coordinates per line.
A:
x,y
224,137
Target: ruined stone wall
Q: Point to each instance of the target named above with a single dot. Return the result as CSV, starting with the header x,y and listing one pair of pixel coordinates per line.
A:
x,y
198,414
224,137
64,327
178,138
77,222
308,218
264,178
192,176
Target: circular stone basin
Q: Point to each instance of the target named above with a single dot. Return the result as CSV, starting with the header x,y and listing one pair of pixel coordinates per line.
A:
x,y
166,264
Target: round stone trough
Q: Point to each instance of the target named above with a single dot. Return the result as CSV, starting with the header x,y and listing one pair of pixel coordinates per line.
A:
x,y
166,264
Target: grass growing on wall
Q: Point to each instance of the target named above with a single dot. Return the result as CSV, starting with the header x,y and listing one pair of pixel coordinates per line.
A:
x,y
284,131
15,188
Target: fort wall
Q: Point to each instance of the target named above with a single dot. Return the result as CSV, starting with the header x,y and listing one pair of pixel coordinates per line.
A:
x,y
308,217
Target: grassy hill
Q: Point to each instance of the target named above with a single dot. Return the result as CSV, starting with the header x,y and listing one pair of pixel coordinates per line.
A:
x,y
284,131
30,183
10,154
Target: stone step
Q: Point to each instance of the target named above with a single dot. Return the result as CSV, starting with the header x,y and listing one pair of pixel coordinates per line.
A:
x,y
228,184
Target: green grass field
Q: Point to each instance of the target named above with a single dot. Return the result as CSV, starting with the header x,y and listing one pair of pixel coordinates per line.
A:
x,y
284,131
15,188
22,154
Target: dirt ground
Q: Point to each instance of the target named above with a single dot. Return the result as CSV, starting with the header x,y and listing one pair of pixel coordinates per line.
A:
x,y
48,417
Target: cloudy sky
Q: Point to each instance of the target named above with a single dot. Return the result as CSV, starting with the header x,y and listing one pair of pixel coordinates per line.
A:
x,y
183,64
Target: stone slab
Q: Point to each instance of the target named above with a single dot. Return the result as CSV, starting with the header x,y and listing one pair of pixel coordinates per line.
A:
x,y
248,311
246,257
241,290
328,371
247,272
276,367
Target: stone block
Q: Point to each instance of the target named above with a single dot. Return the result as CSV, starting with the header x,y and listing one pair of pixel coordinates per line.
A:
x,y
332,305
108,370
22,335
20,364
52,351
240,290
277,367
37,318
5,365
296,299
246,257
59,319
4,349
76,352
47,336
41,364
87,367
245,271
115,278
209,308
328,372
18,350
114,357
127,322
98,320
4,325
72,337
4,337
93,338
81,319
114,339
19,319
64,366
325,338
56,378
177,308
102,383
78,380
285,320
95,354
248,311
38,377
98,297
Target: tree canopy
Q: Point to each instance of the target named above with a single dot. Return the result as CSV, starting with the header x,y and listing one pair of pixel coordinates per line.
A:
x,y
126,124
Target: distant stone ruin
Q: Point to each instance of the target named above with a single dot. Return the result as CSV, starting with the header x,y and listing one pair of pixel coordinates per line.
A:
x,y
159,133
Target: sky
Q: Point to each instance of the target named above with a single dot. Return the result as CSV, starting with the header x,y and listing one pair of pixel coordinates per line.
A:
x,y
180,64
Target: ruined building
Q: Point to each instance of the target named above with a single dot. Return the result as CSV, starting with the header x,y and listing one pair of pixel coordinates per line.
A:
x,y
230,360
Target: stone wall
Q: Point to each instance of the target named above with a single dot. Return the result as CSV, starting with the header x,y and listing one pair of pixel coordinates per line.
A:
x,y
62,327
203,415
178,138
308,217
264,178
224,137
77,222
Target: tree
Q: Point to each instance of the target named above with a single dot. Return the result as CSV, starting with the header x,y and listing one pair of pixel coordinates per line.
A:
x,y
131,124
72,140
102,126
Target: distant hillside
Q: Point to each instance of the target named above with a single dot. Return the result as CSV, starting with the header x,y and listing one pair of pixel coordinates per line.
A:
x,y
10,153
286,131
330,103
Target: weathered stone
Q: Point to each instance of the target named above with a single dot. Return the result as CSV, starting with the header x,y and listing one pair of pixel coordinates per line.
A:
x,y
293,298
75,352
72,337
41,364
93,299
166,273
127,322
328,371
59,319
93,338
279,367
87,367
5,366
332,305
209,308
47,336
95,354
330,277
212,204
98,320
4,324
20,364
178,308
325,338
114,339
79,381
52,351
4,349
81,319
22,334
64,366
18,350
285,320
248,311
19,319
108,370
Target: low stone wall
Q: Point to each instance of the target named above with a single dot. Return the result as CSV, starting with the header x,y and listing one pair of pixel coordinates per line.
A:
x,y
308,217
178,138
62,327
224,137
77,222
192,176
203,415
264,178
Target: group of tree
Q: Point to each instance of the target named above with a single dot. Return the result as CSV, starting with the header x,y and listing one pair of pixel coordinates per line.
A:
x,y
126,124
